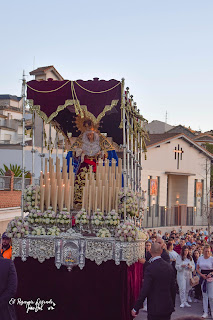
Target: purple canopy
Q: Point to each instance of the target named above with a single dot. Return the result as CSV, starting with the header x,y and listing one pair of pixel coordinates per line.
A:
x,y
59,102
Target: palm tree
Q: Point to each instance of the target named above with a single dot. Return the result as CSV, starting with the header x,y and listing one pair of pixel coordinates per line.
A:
x,y
15,169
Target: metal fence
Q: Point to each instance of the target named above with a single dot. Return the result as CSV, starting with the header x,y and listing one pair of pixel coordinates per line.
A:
x,y
157,216
18,183
5,182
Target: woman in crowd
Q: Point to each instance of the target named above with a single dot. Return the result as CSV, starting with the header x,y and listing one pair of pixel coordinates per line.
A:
x,y
197,288
184,266
205,270
172,254
200,250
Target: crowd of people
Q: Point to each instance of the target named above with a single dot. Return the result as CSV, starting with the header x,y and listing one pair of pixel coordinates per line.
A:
x,y
190,255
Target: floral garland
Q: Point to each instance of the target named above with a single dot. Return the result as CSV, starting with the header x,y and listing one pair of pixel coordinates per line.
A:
x,y
82,217
17,228
126,231
30,194
97,219
63,217
131,203
112,218
142,235
104,233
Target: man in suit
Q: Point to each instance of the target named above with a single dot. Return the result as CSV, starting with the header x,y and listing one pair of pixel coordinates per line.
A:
x,y
8,287
158,287
164,254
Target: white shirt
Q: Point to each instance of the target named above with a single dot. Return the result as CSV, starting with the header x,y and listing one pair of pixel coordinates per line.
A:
x,y
205,264
185,262
173,255
155,258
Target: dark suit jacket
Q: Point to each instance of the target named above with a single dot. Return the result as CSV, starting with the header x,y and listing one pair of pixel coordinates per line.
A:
x,y
8,287
164,256
159,289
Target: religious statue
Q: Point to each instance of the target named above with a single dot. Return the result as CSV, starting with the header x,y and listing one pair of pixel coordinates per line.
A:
x,y
88,148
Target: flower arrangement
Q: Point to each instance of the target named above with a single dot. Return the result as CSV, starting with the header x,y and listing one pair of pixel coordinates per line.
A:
x,y
82,217
142,235
54,231
97,219
126,231
63,218
35,216
31,196
112,219
131,203
17,228
49,217
38,231
104,233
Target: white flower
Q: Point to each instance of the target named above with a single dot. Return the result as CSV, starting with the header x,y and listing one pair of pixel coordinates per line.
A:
x,y
15,229
26,232
18,235
47,221
129,238
121,238
125,231
38,231
97,222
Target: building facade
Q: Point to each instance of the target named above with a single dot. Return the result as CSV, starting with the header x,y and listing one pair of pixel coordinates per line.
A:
x,y
176,181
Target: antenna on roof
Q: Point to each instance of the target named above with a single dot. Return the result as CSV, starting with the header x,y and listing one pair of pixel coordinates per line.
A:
x,y
166,117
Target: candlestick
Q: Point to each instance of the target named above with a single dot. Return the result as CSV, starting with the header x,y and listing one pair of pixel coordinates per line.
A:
x,y
110,198
96,198
83,198
42,198
116,199
103,195
90,200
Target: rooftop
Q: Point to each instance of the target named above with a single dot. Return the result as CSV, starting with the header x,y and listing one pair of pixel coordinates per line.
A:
x,y
9,97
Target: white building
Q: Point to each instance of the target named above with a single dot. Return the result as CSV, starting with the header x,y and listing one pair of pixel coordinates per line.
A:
x,y
10,119
176,178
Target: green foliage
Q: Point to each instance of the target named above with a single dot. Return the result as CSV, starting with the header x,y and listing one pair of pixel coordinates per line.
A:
x,y
15,169
209,147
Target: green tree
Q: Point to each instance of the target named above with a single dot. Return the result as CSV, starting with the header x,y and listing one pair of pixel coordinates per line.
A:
x,y
15,169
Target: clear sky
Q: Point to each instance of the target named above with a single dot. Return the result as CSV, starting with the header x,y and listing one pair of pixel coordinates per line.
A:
x,y
163,49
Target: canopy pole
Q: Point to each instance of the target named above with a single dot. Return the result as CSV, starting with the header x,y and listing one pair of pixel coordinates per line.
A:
x,y
124,142
127,129
49,142
33,148
132,149
23,142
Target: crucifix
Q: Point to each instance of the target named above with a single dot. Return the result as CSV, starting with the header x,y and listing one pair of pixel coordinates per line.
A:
x,y
178,154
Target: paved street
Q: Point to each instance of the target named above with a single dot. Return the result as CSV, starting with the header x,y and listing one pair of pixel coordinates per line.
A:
x,y
195,310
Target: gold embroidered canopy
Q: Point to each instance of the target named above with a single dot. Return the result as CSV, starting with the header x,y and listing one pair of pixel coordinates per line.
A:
x,y
67,103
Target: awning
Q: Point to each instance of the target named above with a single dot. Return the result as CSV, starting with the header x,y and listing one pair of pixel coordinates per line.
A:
x,y
180,173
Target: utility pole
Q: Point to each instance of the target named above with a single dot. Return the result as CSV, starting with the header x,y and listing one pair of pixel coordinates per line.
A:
x,y
207,202
23,144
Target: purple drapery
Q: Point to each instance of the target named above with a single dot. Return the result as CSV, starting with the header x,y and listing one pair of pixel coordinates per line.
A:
x,y
95,103
96,292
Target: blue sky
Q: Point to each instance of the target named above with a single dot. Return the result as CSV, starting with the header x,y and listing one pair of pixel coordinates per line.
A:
x,y
163,49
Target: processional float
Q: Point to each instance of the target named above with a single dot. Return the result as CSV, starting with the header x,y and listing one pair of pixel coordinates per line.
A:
x,y
91,184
